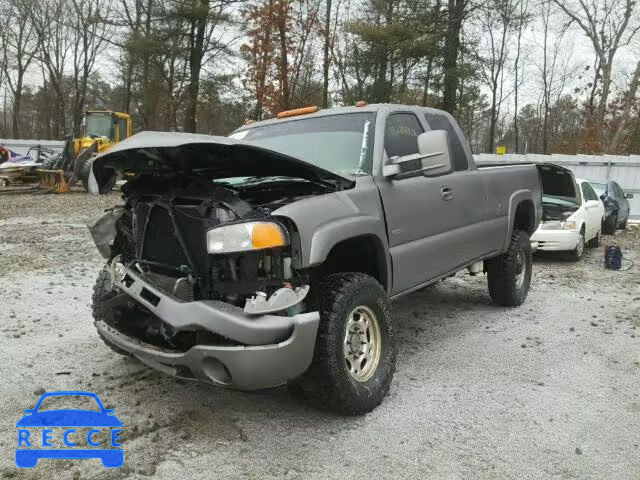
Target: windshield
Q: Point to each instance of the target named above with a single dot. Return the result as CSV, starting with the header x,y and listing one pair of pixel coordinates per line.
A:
x,y
339,143
99,125
600,188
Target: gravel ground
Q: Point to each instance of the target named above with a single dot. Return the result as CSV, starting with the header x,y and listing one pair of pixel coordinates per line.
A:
x,y
548,390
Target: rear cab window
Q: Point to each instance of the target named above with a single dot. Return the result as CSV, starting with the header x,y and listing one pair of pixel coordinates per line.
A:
x,y
438,121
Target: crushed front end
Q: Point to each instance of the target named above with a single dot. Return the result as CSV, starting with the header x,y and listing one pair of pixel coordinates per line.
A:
x,y
201,281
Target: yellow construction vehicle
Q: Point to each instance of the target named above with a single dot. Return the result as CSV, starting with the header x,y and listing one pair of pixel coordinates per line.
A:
x,y
101,130
104,127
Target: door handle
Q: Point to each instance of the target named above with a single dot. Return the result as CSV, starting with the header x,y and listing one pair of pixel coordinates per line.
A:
x,y
446,193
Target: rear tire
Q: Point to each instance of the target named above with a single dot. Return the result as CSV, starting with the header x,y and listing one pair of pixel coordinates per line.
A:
x,y
610,224
509,275
355,353
623,225
595,241
102,291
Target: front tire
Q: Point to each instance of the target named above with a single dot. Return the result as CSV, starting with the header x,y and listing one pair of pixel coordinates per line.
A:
x,y
355,353
610,224
509,275
577,253
102,292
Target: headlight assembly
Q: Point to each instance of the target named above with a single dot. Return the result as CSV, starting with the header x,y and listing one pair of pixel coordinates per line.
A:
x,y
551,226
555,225
242,237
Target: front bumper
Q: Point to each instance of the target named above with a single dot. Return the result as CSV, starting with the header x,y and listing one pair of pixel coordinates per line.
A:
x,y
276,348
555,240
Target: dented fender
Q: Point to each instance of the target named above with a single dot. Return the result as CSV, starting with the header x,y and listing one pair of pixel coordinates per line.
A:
x,y
322,222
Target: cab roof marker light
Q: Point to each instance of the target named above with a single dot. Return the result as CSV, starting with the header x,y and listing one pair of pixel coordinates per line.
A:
x,y
298,111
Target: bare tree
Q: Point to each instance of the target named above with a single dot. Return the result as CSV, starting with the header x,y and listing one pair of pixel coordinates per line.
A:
x,y
629,101
457,13
609,26
523,19
19,45
49,19
204,42
326,60
498,20
89,34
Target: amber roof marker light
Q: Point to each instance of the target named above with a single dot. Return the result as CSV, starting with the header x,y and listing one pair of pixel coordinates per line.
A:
x,y
297,111
361,103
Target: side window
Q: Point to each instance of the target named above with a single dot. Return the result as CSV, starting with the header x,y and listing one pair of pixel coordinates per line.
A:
x,y
617,190
440,122
401,134
588,192
122,127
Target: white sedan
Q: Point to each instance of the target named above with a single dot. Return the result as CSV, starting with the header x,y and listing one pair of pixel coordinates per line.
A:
x,y
570,222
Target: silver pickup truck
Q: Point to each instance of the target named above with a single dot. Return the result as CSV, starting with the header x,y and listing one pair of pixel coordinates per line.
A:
x,y
272,256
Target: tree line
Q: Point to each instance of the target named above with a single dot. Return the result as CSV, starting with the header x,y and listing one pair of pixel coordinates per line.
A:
x,y
536,76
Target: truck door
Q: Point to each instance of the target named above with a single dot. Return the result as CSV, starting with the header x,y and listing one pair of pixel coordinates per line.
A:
x,y
433,222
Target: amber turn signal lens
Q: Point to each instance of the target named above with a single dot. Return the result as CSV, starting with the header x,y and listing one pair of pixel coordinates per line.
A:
x,y
267,235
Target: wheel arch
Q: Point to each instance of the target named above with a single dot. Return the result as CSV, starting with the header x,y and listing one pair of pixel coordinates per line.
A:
x,y
370,258
522,214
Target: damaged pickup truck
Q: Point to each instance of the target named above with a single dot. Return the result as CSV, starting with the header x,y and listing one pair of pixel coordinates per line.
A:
x,y
272,256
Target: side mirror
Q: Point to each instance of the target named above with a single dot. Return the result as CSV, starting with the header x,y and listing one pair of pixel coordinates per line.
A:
x,y
628,196
433,158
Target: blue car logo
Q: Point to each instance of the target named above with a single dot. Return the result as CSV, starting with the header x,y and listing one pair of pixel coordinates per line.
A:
x,y
62,426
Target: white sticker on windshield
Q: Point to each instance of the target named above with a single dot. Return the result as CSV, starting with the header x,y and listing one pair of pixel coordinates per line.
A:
x,y
363,148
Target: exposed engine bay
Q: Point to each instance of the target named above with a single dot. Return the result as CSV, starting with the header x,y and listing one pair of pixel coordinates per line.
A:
x,y
560,196
554,209
162,232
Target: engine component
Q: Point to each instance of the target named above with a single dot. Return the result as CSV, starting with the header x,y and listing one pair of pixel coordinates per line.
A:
x,y
281,299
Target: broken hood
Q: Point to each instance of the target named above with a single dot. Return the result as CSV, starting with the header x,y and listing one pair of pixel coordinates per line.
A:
x,y
212,156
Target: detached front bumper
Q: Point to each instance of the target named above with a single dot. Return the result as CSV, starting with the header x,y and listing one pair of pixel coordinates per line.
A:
x,y
276,348
555,240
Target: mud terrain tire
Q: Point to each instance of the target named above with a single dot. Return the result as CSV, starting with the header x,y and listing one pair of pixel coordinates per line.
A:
x,y
101,292
610,224
509,275
348,302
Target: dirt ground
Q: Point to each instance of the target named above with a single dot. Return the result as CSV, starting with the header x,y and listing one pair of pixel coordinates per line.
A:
x,y
547,390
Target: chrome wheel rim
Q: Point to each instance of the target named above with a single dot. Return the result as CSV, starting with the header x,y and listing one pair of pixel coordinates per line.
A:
x,y
521,268
362,343
580,246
